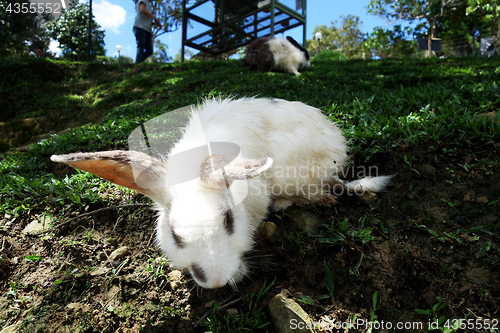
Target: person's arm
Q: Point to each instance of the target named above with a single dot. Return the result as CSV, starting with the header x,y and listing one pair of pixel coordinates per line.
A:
x,y
142,8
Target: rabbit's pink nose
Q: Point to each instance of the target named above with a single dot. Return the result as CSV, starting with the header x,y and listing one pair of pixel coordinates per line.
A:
x,y
213,283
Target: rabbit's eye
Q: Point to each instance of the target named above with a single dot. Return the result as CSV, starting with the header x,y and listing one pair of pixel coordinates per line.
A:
x,y
198,273
177,240
229,222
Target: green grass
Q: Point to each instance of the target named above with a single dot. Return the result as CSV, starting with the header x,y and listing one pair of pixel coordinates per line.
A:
x,y
344,232
377,104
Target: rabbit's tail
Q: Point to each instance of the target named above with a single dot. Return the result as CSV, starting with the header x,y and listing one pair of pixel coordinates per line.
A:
x,y
372,184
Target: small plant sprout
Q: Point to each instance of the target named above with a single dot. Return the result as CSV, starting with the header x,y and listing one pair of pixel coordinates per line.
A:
x,y
258,295
466,166
355,271
330,284
156,270
13,289
342,232
481,294
22,300
447,202
453,236
373,316
33,258
441,323
305,299
409,161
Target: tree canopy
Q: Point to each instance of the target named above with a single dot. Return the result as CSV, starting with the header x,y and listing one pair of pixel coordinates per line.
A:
x,y
345,37
385,42
487,11
457,22
161,54
70,30
20,31
411,10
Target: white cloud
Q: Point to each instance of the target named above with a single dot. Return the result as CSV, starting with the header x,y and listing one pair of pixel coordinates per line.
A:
x,y
108,15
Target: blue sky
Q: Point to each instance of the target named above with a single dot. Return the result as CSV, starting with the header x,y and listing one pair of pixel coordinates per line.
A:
x,y
117,18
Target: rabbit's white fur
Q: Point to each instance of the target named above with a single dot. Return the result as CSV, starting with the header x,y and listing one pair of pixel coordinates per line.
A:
x,y
292,152
287,58
275,54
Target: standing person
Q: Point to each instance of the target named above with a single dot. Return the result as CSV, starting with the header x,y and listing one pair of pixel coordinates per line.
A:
x,y
142,30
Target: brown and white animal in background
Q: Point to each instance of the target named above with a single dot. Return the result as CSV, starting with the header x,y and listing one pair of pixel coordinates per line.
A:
x,y
267,54
290,153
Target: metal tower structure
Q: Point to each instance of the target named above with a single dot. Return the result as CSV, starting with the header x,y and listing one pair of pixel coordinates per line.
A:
x,y
217,28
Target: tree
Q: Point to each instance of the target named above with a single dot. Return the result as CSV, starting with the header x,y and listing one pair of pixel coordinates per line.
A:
x,y
390,43
70,30
161,55
459,31
346,38
413,10
489,10
187,54
20,32
379,42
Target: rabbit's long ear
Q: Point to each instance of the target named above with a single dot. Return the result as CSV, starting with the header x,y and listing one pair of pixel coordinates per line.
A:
x,y
131,169
297,45
294,42
218,171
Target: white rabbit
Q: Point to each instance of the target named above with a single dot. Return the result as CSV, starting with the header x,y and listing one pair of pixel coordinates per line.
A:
x,y
288,153
275,54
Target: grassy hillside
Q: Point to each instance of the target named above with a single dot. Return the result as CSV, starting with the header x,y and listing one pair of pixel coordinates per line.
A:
x,y
433,238
392,98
